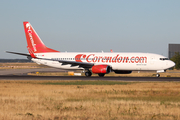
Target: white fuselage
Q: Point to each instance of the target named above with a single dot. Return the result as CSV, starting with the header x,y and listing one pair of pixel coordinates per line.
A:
x,y
117,61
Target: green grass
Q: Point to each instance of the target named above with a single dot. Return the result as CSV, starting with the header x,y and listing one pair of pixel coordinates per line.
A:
x,y
87,83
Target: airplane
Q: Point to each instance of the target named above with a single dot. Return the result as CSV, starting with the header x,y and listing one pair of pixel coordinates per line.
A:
x,y
100,63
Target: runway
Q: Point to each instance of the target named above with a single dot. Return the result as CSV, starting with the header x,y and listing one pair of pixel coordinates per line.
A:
x,y
27,77
21,74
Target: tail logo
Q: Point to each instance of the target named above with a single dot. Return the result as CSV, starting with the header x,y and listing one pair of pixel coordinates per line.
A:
x,y
28,25
30,36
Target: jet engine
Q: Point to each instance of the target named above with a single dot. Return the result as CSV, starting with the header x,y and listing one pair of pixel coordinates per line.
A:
x,y
101,69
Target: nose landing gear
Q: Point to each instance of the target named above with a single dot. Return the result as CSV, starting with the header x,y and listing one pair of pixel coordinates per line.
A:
x,y
157,75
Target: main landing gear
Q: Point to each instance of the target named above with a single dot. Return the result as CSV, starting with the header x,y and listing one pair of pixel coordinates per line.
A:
x,y
101,75
88,73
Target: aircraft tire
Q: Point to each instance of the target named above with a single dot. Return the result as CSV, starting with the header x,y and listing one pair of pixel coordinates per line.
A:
x,y
101,75
157,75
88,74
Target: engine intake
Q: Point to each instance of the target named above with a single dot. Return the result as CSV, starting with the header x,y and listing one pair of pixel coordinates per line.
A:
x,y
97,69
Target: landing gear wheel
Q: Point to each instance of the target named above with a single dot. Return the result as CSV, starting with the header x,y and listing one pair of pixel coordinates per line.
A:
x,y
88,74
157,75
101,75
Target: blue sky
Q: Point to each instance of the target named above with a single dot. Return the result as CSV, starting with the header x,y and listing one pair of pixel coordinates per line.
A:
x,y
91,25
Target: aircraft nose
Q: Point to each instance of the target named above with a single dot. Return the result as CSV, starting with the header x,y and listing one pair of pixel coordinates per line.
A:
x,y
171,64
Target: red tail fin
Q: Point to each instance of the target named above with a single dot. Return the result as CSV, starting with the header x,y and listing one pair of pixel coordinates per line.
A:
x,y
35,45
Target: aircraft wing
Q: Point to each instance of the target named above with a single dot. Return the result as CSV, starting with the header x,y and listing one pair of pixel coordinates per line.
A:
x,y
72,63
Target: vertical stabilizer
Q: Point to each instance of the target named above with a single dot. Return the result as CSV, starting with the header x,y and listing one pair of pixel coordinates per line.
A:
x,y
34,43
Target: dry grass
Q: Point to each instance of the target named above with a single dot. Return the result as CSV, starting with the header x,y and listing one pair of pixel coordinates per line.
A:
x,y
42,100
20,65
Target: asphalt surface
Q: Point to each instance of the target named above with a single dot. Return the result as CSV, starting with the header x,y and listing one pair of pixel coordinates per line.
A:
x,y
26,77
21,74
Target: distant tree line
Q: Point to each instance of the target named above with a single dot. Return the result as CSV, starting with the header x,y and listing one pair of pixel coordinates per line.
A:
x,y
176,59
14,60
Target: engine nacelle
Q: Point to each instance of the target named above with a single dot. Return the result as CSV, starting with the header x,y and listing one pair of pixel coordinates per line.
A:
x,y
122,72
101,69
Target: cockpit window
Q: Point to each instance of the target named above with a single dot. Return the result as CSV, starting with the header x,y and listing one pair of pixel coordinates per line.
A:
x,y
164,59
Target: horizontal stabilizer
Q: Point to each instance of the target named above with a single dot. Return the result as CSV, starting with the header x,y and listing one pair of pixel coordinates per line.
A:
x,y
24,54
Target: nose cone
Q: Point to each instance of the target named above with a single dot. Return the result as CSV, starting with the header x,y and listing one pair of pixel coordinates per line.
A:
x,y
171,64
